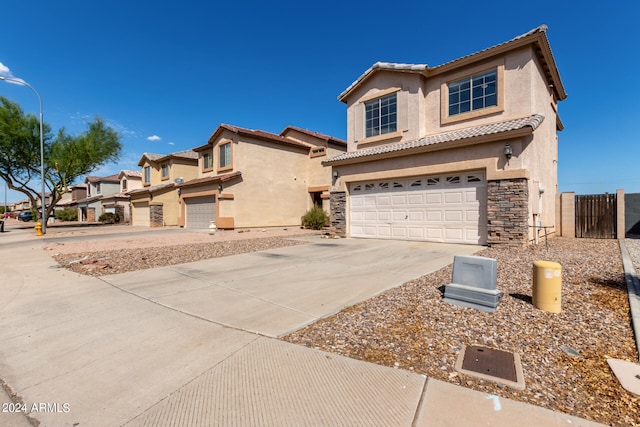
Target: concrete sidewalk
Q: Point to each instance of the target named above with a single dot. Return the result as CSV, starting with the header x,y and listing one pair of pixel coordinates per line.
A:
x,y
148,353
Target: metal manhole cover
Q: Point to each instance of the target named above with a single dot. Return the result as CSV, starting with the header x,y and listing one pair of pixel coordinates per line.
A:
x,y
491,364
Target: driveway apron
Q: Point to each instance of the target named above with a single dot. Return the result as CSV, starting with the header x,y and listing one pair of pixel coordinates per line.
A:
x,y
277,291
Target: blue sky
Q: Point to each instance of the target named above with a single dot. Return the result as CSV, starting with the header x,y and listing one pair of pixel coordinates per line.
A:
x,y
165,74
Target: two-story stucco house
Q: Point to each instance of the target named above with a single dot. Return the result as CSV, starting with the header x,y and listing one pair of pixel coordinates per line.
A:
x,y
252,178
156,204
119,202
90,208
463,152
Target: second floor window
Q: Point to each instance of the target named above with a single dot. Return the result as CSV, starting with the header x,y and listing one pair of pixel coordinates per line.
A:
x,y
165,170
381,116
207,160
225,155
124,185
473,93
147,174
98,188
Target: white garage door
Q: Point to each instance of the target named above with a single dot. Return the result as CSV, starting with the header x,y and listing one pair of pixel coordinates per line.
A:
x,y
141,215
449,208
200,211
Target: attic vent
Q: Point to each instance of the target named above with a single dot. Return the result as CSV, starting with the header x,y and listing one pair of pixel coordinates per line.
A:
x,y
318,151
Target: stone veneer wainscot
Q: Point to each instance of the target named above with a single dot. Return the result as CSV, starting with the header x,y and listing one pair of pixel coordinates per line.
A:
x,y
507,212
338,212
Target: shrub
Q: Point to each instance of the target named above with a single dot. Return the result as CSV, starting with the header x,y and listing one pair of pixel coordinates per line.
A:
x,y
66,214
109,218
315,218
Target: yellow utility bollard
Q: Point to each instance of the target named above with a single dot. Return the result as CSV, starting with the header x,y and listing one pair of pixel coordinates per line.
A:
x,y
38,228
547,286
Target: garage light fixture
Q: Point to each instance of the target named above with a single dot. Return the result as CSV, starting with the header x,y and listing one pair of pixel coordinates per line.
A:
x,y
508,152
335,174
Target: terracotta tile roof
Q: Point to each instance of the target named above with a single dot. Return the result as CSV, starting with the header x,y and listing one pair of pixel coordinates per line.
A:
x,y
120,195
536,36
128,173
185,154
319,135
491,129
150,189
212,179
110,178
409,68
258,134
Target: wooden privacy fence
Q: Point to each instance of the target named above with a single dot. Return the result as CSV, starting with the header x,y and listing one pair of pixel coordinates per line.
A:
x,y
596,216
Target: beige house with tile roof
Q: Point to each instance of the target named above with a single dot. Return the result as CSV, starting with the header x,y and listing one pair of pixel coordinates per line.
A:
x,y
156,203
252,178
120,202
464,152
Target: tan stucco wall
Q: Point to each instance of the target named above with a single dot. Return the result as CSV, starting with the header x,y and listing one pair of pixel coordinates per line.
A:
x,y
273,190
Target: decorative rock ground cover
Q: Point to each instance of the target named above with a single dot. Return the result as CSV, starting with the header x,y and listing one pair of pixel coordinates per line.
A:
x,y
563,355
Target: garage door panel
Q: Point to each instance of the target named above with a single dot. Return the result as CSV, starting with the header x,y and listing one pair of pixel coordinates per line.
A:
x,y
357,202
453,216
384,231
414,216
415,199
141,215
384,216
399,200
383,201
434,216
200,211
455,197
454,234
434,233
416,232
433,198
471,216
446,208
400,215
399,232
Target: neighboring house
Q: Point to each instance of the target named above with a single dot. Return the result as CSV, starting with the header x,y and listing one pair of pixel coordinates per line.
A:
x,y
26,206
252,178
120,202
464,152
156,204
90,208
69,200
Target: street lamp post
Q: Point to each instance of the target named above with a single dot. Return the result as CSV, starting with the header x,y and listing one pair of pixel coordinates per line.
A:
x,y
23,83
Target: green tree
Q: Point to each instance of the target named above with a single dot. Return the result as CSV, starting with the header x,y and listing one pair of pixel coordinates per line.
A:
x,y
66,157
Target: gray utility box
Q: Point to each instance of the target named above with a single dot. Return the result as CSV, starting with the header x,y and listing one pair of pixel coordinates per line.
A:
x,y
473,283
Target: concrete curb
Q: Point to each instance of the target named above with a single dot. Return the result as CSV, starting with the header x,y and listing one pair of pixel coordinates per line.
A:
x,y
633,286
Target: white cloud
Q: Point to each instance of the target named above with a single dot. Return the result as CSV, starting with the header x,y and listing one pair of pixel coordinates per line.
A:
x,y
4,71
153,138
171,143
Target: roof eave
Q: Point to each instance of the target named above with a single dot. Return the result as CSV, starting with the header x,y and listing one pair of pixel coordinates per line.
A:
x,y
379,66
516,133
537,38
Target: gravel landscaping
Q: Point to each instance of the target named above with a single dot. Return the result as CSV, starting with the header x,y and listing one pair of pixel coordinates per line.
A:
x,y
411,327
113,261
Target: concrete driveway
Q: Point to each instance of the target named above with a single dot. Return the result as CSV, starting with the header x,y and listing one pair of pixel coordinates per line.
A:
x,y
151,348
278,291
